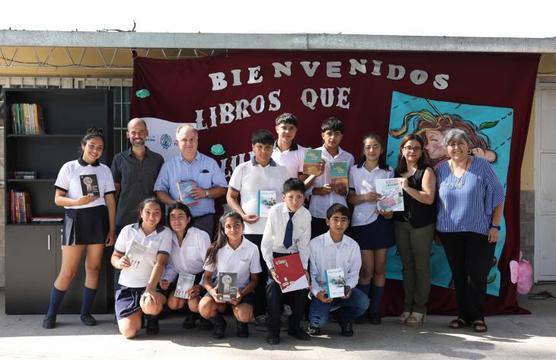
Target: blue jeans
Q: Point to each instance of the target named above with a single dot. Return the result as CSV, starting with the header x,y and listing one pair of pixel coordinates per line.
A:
x,y
350,308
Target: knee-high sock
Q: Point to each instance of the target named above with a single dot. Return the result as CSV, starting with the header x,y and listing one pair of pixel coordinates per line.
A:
x,y
376,297
56,297
88,299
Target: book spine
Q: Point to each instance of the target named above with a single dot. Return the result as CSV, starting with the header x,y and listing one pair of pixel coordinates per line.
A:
x,y
259,203
27,208
12,206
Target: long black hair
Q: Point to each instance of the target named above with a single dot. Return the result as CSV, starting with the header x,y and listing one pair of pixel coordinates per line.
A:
x,y
180,206
221,239
381,159
144,203
91,133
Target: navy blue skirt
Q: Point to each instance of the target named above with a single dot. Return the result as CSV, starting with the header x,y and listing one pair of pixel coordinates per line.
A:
x,y
86,226
374,236
127,300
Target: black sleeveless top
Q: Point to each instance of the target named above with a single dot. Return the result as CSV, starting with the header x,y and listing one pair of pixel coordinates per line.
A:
x,y
415,212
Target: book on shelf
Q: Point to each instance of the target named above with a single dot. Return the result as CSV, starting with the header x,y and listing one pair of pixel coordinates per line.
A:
x,y
184,192
22,175
136,254
311,161
335,283
391,192
265,200
339,173
289,270
226,289
184,284
27,119
46,219
89,184
20,207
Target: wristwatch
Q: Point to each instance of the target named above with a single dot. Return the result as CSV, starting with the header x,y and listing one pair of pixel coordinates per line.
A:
x,y
207,193
497,227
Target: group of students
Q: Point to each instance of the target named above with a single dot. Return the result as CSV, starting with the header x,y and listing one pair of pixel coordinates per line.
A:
x,y
246,244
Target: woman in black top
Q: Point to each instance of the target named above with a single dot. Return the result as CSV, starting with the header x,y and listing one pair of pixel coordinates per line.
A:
x,y
414,227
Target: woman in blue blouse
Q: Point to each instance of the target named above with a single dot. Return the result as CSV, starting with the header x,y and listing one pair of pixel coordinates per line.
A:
x,y
470,205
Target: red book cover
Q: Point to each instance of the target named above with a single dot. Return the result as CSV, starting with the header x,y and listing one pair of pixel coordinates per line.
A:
x,y
289,271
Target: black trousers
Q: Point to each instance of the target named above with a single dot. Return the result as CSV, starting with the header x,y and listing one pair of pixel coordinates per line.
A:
x,y
260,296
470,257
275,300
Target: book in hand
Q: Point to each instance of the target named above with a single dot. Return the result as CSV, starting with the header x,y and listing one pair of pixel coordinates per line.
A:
x,y
290,272
391,192
184,284
135,254
335,283
89,185
184,192
339,173
311,161
266,200
226,290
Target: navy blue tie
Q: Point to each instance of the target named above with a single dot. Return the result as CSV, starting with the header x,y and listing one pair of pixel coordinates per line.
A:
x,y
288,237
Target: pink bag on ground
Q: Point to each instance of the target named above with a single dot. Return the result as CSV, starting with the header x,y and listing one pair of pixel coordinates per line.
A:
x,y
521,273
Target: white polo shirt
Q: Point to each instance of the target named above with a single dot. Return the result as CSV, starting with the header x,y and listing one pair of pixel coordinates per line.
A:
x,y
275,230
250,177
243,261
362,181
320,203
292,159
190,257
157,242
68,180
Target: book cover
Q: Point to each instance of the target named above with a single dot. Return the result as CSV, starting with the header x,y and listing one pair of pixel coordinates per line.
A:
x,y
89,184
289,271
392,194
335,283
311,161
266,200
184,192
339,172
227,286
184,284
135,254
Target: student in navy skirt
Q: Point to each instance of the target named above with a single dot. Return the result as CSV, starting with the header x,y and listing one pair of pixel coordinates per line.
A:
x,y
371,228
136,292
84,187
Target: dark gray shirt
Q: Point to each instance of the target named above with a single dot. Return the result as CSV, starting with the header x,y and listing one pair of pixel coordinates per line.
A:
x,y
136,178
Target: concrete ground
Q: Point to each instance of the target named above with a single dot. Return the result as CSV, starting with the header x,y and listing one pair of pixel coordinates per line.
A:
x,y
509,337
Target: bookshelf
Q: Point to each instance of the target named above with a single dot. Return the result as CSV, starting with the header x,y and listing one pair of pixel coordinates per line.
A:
x,y
33,250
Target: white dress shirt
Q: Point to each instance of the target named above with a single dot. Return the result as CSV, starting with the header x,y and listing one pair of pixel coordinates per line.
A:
x,y
320,203
363,181
188,258
326,255
275,230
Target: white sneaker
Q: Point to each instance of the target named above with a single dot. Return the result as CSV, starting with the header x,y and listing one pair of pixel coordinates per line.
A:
x,y
404,316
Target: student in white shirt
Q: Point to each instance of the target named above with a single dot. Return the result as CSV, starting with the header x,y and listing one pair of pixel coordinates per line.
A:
x,y
189,250
282,237
231,253
89,223
324,192
247,180
371,228
333,250
136,292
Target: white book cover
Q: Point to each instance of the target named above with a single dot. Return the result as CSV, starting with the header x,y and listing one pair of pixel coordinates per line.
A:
x,y
267,199
392,194
335,283
136,253
184,284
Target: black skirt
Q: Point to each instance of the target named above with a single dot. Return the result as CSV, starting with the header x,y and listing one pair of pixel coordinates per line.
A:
x,y
374,236
86,226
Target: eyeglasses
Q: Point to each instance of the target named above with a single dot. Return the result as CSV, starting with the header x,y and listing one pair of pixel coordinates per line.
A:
x,y
414,148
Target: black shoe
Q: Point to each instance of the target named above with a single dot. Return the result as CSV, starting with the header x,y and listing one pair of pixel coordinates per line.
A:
x,y
88,319
242,330
189,322
219,326
49,322
375,319
298,333
273,339
313,330
205,324
152,325
347,328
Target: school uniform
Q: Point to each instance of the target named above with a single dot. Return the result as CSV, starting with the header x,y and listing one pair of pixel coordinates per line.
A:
x,y
292,159
85,224
134,279
370,230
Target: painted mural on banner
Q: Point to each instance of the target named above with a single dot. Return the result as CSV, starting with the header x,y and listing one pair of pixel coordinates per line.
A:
x,y
229,96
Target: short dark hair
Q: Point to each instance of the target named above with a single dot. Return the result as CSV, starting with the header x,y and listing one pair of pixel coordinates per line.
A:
x,y
262,136
337,208
286,118
293,184
332,123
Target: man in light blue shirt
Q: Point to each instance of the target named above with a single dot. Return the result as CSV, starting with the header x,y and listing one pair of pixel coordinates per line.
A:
x,y
190,165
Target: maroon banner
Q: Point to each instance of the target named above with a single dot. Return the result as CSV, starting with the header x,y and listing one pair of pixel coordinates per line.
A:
x,y
230,96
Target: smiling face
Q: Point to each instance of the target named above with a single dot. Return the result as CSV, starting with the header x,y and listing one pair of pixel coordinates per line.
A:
x,y
179,220
92,150
151,215
372,149
458,150
434,147
188,142
233,228
137,132
286,132
412,151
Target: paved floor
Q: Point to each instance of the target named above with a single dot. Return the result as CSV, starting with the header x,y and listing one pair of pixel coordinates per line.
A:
x,y
510,337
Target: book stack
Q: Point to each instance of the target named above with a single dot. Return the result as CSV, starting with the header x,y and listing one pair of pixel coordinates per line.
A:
x,y
20,207
27,119
22,175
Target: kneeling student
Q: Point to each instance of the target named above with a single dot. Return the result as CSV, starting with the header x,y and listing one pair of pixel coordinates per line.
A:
x,y
334,250
231,253
141,253
287,231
